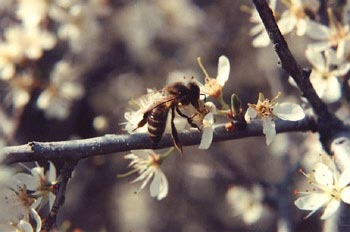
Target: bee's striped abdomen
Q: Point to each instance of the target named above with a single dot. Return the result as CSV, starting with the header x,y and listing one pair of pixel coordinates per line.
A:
x,y
156,123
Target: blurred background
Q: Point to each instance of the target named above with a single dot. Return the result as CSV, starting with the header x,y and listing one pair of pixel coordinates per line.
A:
x,y
68,70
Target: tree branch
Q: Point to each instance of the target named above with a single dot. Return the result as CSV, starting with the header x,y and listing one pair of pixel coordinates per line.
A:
x,y
66,174
329,126
83,148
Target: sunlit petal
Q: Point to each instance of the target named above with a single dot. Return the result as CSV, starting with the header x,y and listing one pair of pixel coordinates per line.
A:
x,y
223,70
288,111
269,130
331,208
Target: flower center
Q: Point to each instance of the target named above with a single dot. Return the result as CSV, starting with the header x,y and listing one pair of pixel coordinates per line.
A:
x,y
264,108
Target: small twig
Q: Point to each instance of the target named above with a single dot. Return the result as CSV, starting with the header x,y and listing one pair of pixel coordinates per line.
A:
x,y
66,174
83,148
328,125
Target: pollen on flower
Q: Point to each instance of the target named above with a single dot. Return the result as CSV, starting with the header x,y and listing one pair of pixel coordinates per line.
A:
x,y
296,192
267,110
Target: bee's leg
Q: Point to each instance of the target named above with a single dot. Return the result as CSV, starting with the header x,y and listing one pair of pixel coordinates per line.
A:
x,y
174,133
189,119
142,122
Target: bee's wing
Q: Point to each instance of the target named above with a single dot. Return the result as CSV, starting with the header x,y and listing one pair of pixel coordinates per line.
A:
x,y
159,102
146,100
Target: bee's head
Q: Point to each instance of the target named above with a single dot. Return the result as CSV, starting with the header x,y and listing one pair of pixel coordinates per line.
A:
x,y
194,93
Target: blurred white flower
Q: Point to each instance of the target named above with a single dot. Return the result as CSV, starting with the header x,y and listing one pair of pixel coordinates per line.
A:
x,y
41,184
325,72
266,110
78,22
341,150
261,38
32,12
147,164
64,88
331,189
213,87
19,88
246,203
29,42
334,35
10,55
295,16
21,226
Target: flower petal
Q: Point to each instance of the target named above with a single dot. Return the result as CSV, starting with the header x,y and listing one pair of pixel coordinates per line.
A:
x,y
323,175
345,195
316,58
25,226
52,198
288,111
207,138
223,70
269,130
52,173
261,40
30,181
253,213
317,31
332,92
250,114
331,208
344,178
159,185
287,23
313,201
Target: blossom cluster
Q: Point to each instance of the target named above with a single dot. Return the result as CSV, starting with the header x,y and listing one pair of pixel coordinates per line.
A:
x,y
24,195
39,27
328,51
326,40
201,116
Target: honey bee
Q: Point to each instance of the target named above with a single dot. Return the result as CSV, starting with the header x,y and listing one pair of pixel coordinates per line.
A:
x,y
174,95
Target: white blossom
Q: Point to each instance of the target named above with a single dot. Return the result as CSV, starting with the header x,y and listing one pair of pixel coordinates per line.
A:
x,y
40,183
331,189
18,204
325,73
147,164
334,35
267,110
30,42
213,87
295,17
246,203
32,12
10,54
78,22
